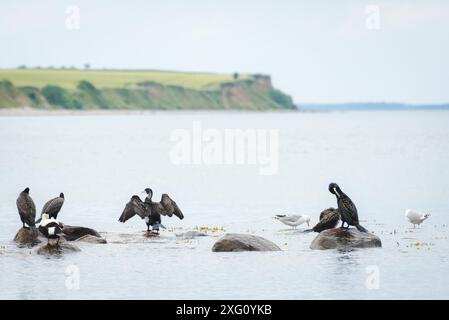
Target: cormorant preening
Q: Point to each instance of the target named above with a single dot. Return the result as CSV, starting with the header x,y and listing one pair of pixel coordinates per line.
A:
x,y
50,228
27,209
52,207
151,211
293,220
328,219
346,208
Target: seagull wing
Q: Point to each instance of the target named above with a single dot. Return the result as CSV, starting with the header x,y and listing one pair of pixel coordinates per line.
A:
x,y
133,207
293,218
168,207
413,215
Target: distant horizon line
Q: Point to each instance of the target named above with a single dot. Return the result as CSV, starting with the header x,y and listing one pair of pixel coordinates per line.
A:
x,y
370,103
371,106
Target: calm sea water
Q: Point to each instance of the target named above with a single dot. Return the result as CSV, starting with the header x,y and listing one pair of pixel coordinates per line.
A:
x,y
386,162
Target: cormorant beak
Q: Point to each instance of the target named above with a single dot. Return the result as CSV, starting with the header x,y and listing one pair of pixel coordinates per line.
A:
x,y
336,192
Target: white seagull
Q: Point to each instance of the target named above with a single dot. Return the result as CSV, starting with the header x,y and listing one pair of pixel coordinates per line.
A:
x,y
294,220
416,217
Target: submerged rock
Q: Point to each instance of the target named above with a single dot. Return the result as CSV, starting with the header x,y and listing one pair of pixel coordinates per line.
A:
x,y
72,233
27,237
232,242
341,239
91,239
191,234
151,234
57,249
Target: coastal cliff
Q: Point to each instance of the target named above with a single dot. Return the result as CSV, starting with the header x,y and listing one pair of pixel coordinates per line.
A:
x,y
249,92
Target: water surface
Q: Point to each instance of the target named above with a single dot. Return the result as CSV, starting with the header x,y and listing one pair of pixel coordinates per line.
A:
x,y
386,162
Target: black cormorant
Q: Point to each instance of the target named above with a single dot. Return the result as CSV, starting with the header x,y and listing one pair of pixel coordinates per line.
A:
x,y
346,208
27,209
151,211
52,207
328,219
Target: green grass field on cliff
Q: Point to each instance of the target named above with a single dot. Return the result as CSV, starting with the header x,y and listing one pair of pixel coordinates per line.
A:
x,y
137,89
69,78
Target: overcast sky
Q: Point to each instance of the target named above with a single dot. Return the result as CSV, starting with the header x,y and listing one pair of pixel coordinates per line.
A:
x,y
318,51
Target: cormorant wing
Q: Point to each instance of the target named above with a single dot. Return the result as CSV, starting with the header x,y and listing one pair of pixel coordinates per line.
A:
x,y
349,206
133,207
26,205
328,219
168,207
53,205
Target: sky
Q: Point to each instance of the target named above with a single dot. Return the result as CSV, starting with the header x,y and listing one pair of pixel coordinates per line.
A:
x,y
317,51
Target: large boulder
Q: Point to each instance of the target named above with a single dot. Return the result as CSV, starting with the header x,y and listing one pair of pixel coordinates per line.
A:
x,y
27,237
339,238
72,233
232,242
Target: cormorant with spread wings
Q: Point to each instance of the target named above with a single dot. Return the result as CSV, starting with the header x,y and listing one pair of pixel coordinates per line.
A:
x,y
151,211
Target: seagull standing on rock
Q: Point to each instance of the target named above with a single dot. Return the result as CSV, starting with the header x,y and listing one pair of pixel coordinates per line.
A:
x,y
416,217
293,220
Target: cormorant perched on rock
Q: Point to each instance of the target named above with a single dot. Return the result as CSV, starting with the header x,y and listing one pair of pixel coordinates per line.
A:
x,y
328,220
52,207
416,217
293,220
151,211
346,208
27,209
50,228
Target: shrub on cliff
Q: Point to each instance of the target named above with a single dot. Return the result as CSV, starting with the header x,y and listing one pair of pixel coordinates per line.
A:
x,y
282,99
58,96
90,95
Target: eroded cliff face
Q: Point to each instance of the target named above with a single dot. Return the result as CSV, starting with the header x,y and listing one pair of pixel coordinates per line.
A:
x,y
255,93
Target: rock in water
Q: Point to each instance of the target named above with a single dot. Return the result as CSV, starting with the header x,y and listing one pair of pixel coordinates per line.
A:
x,y
191,234
232,242
56,250
73,233
151,234
27,237
91,239
342,239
